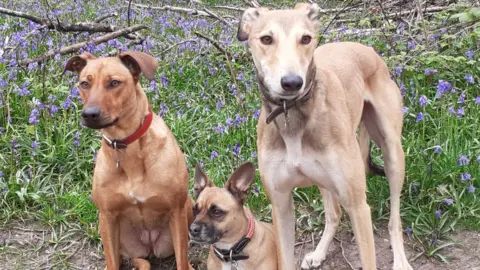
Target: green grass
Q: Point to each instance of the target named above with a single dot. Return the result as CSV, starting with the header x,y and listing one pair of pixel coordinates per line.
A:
x,y
53,186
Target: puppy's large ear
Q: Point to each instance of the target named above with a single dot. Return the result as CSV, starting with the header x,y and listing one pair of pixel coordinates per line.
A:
x,y
239,183
201,181
77,63
313,10
248,18
139,62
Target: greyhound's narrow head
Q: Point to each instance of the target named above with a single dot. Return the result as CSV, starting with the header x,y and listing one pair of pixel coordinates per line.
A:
x,y
108,85
282,43
218,211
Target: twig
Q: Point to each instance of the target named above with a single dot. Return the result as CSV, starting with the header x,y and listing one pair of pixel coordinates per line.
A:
x,y
73,48
177,44
23,15
104,17
213,42
253,3
343,253
230,8
128,12
217,17
333,19
189,11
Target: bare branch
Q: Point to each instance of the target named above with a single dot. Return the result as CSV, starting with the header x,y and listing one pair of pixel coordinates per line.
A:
x,y
128,12
75,47
217,17
100,19
214,43
178,44
23,15
190,11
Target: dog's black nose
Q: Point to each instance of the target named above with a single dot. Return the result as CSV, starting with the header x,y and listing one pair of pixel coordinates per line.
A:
x,y
291,82
195,229
90,114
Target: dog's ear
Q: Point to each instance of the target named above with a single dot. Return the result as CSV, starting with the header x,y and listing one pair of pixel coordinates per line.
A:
x,y
313,10
139,62
201,181
239,183
248,18
77,63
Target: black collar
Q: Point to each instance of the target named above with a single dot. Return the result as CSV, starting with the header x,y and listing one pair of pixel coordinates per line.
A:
x,y
284,106
233,254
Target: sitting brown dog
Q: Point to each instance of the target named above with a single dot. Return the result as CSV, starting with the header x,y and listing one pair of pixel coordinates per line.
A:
x,y
237,240
140,182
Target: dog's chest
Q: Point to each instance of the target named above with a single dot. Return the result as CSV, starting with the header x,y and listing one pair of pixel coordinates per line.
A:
x,y
297,164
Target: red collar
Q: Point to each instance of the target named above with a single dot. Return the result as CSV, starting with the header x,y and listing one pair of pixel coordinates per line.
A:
x,y
121,144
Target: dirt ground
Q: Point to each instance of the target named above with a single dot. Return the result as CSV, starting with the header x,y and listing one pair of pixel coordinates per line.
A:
x,y
27,246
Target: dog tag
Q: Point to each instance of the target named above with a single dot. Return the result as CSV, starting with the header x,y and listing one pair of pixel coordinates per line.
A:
x,y
118,163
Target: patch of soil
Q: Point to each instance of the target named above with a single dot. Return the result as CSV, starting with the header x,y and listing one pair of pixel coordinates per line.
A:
x,y
30,246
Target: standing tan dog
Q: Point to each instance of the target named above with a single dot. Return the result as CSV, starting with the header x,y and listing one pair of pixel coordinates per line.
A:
x,y
140,182
237,240
314,99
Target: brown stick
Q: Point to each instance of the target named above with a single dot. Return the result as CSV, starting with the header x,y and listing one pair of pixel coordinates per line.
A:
x,y
75,47
24,15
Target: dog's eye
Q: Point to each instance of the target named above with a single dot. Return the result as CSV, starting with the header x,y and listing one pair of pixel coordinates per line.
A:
x,y
306,39
84,85
266,40
216,213
114,83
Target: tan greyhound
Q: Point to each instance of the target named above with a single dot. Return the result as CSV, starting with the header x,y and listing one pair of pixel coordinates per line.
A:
x,y
314,99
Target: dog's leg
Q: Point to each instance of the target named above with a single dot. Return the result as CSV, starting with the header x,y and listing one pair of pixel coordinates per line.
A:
x,y
385,130
110,234
332,218
360,216
179,227
283,215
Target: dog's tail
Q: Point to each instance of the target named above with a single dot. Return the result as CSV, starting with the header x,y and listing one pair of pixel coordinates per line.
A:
x,y
365,143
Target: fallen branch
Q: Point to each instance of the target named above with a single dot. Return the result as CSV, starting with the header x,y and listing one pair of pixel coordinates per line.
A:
x,y
23,15
218,17
190,11
73,48
100,19
177,44
214,43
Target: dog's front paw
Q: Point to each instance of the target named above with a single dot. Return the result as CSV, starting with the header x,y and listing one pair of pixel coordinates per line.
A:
x,y
402,265
312,261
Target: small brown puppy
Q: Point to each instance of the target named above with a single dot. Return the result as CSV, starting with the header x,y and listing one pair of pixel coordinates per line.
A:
x,y
140,182
237,240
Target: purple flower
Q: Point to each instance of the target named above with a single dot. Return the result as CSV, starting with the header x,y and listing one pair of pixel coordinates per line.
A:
x,y
33,120
429,71
422,101
2,174
469,54
448,201
256,191
67,103
163,109
477,100
236,149
398,70
465,177
451,110
408,231
228,122
461,98
478,159
420,117
256,114
405,110
219,128
213,155
164,80
437,149
463,160
240,76
460,112
219,104
53,110
471,189
469,79
438,213
34,147
411,45
94,158
76,139
442,88
254,154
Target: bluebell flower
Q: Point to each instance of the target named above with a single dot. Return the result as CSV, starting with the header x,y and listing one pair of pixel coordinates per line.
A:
x,y
213,155
442,88
465,177
408,231
422,101
438,213
463,160
236,149
471,189
469,79
33,120
448,201
420,117
469,54
437,149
